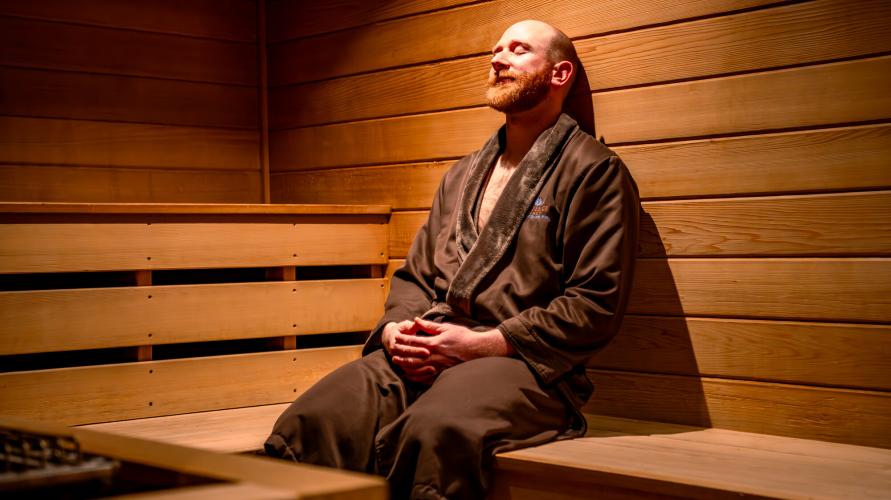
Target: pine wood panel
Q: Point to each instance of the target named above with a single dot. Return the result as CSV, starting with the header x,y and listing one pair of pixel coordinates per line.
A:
x,y
467,31
756,164
689,467
122,391
857,290
51,94
448,134
288,19
86,184
838,92
38,141
832,224
62,320
88,246
259,211
809,96
236,430
839,415
848,355
226,19
417,184
795,34
41,44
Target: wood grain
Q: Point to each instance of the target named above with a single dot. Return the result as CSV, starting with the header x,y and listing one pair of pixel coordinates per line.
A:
x,y
804,225
134,390
461,32
811,96
847,355
801,97
256,209
830,289
226,19
63,320
85,184
289,19
38,141
838,415
754,164
52,94
33,43
786,35
93,246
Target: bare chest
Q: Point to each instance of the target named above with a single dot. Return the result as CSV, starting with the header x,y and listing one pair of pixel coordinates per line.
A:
x,y
494,186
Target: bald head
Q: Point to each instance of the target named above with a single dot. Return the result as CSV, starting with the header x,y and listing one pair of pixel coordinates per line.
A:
x,y
558,45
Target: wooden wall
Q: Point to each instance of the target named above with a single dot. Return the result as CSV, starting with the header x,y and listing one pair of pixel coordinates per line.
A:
x,y
759,133
111,101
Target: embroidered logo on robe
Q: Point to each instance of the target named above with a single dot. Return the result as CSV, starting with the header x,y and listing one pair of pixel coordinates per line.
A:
x,y
539,210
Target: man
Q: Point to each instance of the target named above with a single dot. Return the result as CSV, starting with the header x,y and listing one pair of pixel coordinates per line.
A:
x,y
520,273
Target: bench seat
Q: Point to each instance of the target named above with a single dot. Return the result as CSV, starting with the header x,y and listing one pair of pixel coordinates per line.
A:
x,y
618,458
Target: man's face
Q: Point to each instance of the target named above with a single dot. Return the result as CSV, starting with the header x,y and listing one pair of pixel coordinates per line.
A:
x,y
521,72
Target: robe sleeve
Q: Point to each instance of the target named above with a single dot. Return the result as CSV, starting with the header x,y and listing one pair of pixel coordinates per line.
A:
x,y
599,246
412,286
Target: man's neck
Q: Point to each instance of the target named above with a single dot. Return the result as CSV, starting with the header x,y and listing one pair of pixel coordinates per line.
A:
x,y
523,129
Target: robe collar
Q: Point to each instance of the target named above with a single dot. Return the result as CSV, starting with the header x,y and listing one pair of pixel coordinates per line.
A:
x,y
478,253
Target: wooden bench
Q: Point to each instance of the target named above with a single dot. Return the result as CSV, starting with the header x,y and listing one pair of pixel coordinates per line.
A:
x,y
226,412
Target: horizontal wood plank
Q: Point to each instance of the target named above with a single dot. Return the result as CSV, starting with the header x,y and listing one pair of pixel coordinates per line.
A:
x,y
62,320
811,96
91,246
154,388
813,225
847,355
417,184
54,94
830,289
33,43
842,92
226,19
38,141
796,34
471,30
289,19
261,209
839,415
34,183
785,162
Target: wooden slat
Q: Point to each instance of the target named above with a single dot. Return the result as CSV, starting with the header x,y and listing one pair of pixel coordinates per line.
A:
x,y
838,415
53,94
62,320
787,35
798,289
86,184
801,97
235,430
38,141
471,30
217,491
809,96
423,137
417,183
260,209
226,19
289,19
40,44
303,481
847,355
834,224
60,247
754,164
154,388
687,468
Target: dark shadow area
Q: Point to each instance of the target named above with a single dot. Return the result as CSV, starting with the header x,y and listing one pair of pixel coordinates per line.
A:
x,y
649,371
578,103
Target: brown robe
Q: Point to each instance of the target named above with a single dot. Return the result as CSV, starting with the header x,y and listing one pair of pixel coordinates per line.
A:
x,y
551,270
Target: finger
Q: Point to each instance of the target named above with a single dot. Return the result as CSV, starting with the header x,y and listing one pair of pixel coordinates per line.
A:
x,y
409,351
423,371
430,326
412,341
410,362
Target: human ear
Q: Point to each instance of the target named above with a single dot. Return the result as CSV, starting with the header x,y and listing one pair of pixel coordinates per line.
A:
x,y
562,73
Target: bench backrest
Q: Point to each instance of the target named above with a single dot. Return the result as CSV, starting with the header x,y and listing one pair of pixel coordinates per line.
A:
x,y
759,139
89,298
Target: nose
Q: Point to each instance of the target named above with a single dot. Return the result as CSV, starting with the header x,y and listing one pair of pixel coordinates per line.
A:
x,y
498,62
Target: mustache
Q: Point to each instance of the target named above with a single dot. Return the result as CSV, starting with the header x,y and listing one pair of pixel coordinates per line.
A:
x,y
494,77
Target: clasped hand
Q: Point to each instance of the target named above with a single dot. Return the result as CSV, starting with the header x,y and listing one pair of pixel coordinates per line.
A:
x,y
439,346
